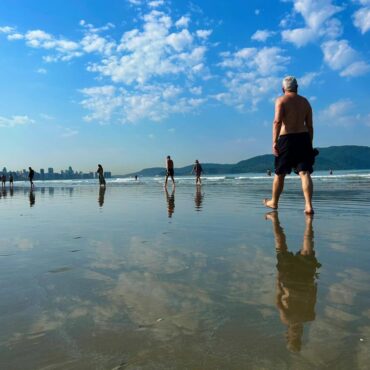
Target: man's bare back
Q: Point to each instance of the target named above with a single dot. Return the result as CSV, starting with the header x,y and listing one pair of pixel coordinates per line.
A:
x,y
293,112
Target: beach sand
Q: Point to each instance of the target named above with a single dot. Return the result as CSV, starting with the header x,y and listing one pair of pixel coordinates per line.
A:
x,y
134,278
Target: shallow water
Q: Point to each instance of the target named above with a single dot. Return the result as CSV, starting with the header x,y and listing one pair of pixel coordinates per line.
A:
x,y
134,278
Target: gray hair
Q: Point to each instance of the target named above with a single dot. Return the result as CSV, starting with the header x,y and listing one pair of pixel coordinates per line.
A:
x,y
290,83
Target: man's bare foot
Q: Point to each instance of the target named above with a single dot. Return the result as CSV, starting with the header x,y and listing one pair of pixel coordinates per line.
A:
x,y
268,203
309,211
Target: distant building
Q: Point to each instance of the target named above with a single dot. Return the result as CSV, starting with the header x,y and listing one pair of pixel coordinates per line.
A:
x,y
42,174
108,175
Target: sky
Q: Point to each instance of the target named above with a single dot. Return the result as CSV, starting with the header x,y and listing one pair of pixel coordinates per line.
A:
x,y
127,82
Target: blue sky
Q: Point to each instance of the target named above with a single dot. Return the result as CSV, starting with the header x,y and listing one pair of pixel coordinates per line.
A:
x,y
126,82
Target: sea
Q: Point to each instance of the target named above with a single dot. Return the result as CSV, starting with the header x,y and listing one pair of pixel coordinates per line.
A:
x,y
197,277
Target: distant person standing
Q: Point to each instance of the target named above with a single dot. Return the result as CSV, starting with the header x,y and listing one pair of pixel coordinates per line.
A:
x,y
100,172
31,174
3,180
292,137
268,172
170,172
330,172
197,169
11,180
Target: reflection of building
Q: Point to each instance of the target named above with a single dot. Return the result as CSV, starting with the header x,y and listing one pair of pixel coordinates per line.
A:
x,y
296,287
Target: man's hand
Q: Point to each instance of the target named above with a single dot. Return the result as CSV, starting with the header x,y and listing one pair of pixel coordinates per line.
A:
x,y
275,150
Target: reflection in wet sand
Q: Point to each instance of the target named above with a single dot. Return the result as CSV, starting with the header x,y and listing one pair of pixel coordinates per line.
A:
x,y
101,195
296,287
32,198
170,202
198,199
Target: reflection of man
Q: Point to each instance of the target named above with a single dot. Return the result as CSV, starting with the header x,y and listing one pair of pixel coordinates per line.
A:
x,y
292,138
198,199
170,202
32,198
101,195
296,285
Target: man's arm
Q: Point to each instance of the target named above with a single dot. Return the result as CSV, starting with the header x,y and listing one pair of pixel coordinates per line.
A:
x,y
276,126
309,121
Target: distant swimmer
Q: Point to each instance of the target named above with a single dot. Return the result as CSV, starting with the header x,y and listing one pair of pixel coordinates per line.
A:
x,y
292,138
197,169
11,180
3,180
170,172
268,172
135,177
31,174
330,172
100,172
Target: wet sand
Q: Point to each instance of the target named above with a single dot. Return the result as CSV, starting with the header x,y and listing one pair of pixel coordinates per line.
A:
x,y
134,278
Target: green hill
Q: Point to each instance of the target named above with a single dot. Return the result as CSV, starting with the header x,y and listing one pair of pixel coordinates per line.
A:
x,y
345,157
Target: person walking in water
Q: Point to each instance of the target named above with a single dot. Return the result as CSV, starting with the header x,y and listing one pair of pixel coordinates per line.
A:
x,y
3,180
292,137
11,180
197,169
31,174
100,172
169,171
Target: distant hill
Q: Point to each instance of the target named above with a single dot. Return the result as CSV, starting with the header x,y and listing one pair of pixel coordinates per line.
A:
x,y
345,157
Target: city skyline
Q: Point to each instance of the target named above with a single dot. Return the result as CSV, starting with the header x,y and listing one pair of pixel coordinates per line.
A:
x,y
125,83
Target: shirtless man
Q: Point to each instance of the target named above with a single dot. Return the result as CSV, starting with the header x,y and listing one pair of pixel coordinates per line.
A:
x,y
170,171
292,136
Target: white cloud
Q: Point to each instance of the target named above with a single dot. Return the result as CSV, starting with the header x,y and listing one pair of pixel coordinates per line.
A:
x,y
251,75
257,12
339,55
183,22
155,3
151,102
307,79
204,34
179,41
101,101
340,113
317,15
356,69
15,36
361,18
153,52
6,29
15,121
68,132
135,2
42,71
262,35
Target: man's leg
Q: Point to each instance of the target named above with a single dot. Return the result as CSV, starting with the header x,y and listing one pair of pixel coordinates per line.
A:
x,y
277,188
307,188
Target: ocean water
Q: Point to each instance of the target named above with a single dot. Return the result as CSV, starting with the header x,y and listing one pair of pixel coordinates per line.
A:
x,y
135,277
